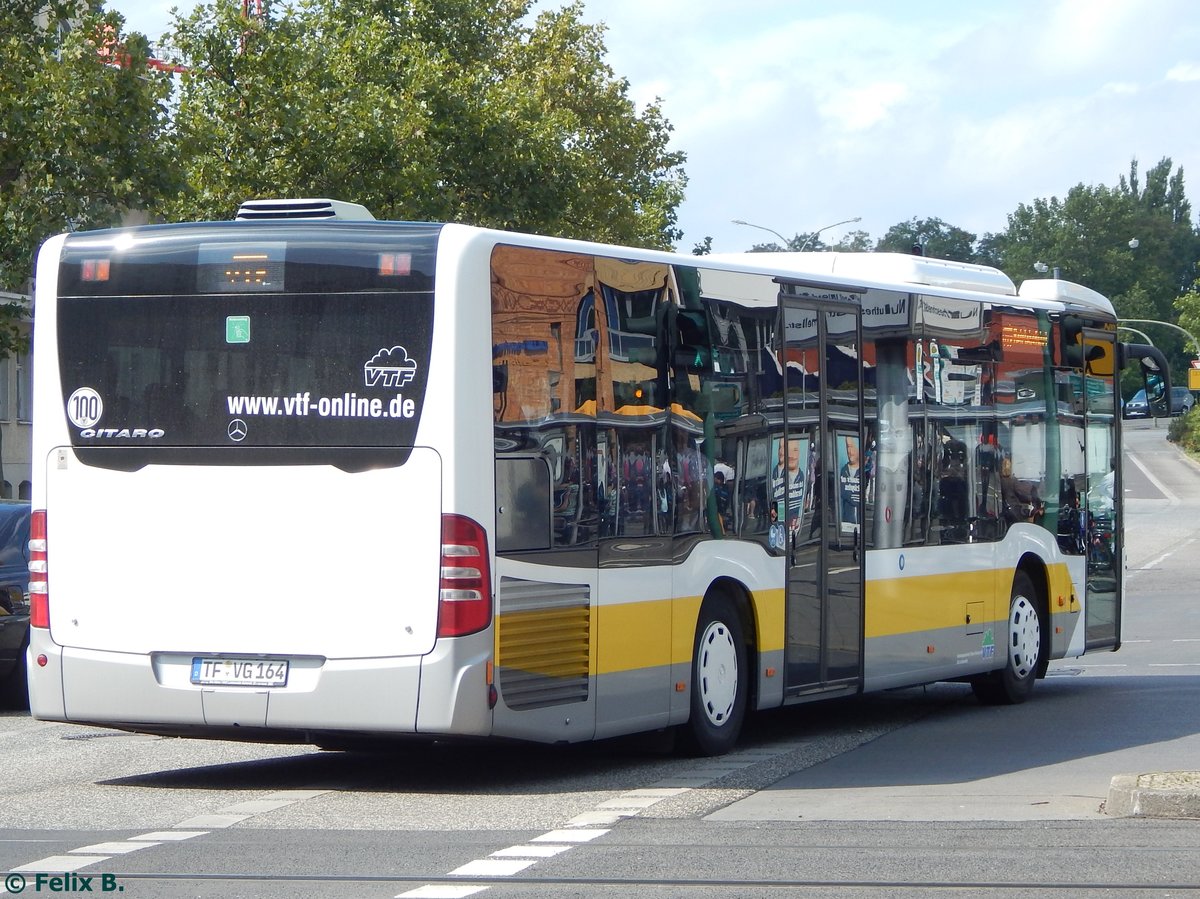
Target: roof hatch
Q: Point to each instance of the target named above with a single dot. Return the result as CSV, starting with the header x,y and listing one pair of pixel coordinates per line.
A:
x,y
307,209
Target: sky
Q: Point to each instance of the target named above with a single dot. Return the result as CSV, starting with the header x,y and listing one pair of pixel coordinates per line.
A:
x,y
798,114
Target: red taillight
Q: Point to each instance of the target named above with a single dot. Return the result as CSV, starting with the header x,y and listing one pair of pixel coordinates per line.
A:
x,y
39,586
465,589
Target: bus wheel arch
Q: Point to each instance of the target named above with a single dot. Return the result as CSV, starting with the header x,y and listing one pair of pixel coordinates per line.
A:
x,y
721,669
1025,640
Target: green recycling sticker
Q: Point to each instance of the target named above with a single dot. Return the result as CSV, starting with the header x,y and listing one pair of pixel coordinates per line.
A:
x,y
237,329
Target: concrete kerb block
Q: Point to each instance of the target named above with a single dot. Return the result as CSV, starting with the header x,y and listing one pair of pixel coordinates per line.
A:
x,y
1173,794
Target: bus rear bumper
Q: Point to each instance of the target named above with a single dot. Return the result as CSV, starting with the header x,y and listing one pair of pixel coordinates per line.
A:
x,y
153,693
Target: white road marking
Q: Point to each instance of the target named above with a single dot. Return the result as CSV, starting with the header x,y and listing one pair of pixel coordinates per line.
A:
x,y
1162,488
162,835
546,851
184,830
213,822
631,802
569,836
62,863
492,867
115,848
591,819
1173,664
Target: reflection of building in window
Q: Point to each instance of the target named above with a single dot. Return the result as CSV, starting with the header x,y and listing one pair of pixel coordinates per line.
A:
x,y
536,308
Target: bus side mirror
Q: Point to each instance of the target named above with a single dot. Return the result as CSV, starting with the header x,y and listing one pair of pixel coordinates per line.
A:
x,y
1156,375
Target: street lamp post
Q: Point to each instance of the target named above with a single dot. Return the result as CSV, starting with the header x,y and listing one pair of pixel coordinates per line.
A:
x,y
811,237
1152,321
763,228
817,233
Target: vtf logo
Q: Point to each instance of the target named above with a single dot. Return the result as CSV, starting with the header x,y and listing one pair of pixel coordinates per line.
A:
x,y
390,368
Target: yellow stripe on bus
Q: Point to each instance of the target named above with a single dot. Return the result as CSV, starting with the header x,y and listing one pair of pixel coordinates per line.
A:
x,y
630,636
925,603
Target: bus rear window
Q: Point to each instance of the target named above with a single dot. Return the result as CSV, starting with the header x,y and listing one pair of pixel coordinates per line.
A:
x,y
253,354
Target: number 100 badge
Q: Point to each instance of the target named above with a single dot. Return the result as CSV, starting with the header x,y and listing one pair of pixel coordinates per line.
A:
x,y
84,407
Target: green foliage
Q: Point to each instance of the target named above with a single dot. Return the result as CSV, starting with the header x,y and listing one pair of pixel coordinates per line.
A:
x,y
1188,306
854,242
448,110
1087,236
935,237
81,119
1184,430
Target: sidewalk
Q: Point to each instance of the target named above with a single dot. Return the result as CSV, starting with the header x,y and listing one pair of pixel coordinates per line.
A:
x,y
1167,795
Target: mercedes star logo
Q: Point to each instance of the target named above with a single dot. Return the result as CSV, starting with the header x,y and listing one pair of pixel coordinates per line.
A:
x,y
237,430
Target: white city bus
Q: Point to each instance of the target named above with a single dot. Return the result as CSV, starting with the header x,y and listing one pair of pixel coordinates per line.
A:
x,y
308,476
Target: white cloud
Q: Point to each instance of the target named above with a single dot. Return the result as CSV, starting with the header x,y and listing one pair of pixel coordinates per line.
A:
x,y
857,109
797,114
1185,71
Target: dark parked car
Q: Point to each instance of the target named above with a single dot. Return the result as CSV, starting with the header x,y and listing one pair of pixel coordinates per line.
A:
x,y
14,602
1181,403
1136,406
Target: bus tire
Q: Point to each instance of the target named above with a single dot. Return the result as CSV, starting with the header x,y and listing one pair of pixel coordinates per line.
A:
x,y
720,679
1023,649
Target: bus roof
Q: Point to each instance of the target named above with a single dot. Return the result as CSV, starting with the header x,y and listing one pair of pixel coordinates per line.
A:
x,y
893,267
1066,292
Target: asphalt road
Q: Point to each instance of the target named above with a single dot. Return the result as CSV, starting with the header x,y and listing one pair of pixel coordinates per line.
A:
x,y
911,793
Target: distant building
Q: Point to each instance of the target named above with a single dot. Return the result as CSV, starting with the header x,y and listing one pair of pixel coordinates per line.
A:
x,y
16,412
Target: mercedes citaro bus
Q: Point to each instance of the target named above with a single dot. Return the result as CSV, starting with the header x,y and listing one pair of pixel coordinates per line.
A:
x,y
309,476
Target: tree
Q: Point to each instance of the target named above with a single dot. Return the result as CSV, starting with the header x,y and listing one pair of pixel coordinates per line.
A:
x,y
1134,243
1188,306
449,110
81,119
854,242
1087,236
935,237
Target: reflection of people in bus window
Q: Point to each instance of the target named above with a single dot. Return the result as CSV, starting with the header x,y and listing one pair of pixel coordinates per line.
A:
x,y
788,478
1021,500
724,508
689,483
849,483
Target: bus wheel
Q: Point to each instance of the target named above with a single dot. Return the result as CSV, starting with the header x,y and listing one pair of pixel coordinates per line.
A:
x,y
719,679
1023,649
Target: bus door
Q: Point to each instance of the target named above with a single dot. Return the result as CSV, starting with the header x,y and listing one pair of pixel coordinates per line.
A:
x,y
823,521
1102,501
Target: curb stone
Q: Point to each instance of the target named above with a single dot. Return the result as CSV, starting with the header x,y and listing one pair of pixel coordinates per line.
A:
x,y
1172,794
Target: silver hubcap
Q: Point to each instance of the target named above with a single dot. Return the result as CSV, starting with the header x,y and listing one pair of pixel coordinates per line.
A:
x,y
1025,638
716,670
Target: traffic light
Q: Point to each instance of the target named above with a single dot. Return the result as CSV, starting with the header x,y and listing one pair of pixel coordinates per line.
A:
x,y
693,344
1074,350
